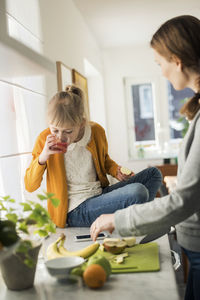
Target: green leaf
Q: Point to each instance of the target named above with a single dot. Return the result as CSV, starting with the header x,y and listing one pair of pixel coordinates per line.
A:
x,y
29,262
50,195
41,197
23,227
27,207
51,227
12,217
41,232
55,202
6,197
11,200
24,246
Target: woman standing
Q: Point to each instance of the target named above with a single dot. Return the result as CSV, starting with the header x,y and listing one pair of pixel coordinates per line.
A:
x,y
176,46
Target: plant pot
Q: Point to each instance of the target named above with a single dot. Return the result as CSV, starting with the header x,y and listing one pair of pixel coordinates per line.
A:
x,y
17,275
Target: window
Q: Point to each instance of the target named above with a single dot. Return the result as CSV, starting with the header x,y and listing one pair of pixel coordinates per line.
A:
x,y
176,100
154,126
142,101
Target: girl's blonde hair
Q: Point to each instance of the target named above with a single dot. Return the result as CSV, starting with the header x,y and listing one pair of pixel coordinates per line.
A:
x,y
67,107
180,37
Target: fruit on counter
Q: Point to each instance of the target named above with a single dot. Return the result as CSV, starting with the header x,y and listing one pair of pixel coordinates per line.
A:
x,y
115,247
115,240
101,247
78,271
57,249
102,261
94,276
85,252
52,250
130,240
125,171
8,234
120,258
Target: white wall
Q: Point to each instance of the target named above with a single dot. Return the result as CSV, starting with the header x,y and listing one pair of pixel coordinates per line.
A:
x,y
66,36
52,28
136,62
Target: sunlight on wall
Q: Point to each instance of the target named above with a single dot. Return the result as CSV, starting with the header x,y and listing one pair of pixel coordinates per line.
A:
x,y
22,128
25,25
95,93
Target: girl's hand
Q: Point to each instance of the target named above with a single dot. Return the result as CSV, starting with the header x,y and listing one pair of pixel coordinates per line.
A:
x,y
102,223
121,176
51,141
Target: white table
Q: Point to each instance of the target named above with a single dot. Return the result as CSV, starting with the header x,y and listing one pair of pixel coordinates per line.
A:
x,y
139,286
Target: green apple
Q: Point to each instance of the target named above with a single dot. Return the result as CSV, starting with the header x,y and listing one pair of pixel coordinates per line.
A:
x,y
102,261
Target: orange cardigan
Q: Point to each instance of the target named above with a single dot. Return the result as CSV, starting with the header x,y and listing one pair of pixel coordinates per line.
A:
x,y
56,173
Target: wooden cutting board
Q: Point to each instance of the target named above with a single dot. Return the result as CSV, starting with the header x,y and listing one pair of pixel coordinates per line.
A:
x,y
141,258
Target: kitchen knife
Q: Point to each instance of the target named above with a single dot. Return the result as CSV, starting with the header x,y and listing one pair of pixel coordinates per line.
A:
x,y
153,236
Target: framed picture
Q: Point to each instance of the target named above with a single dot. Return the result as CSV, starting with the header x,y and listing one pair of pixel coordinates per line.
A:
x,y
64,75
81,81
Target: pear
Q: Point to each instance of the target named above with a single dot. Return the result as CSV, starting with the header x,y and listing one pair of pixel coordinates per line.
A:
x,y
130,240
115,247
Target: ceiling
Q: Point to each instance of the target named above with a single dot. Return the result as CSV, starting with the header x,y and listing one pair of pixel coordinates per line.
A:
x,y
118,23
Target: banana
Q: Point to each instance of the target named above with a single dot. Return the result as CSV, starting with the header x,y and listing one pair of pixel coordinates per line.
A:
x,y
52,250
85,252
57,249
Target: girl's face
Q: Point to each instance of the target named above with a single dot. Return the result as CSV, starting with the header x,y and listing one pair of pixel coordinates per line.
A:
x,y
68,134
172,70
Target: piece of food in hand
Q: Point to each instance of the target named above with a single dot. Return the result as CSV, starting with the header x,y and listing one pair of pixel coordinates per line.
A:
x,y
130,240
94,276
102,261
115,247
125,171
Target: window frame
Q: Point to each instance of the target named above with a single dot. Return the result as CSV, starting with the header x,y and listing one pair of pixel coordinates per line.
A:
x,y
163,146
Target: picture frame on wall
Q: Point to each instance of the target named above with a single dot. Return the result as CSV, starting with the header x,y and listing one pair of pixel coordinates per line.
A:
x,y
64,75
81,81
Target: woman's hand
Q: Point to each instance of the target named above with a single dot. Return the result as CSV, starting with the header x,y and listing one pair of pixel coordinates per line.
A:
x,y
51,141
121,176
102,223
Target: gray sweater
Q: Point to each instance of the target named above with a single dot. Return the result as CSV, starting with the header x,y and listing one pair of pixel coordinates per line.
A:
x,y
180,208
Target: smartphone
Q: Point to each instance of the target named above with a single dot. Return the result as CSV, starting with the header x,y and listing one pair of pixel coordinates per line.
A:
x,y
87,237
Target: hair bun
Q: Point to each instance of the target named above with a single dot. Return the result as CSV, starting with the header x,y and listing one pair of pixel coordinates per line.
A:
x,y
74,89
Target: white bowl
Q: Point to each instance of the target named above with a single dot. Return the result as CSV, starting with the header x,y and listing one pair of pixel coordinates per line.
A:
x,y
61,267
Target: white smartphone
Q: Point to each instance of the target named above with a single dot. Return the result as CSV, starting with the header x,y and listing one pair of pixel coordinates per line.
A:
x,y
87,237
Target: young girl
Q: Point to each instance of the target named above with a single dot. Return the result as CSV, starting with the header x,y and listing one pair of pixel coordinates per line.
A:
x,y
74,152
176,46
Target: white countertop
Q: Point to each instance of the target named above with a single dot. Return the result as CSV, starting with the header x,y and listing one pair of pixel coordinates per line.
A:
x,y
139,286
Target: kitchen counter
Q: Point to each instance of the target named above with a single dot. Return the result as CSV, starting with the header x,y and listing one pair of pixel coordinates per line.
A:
x,y
138,286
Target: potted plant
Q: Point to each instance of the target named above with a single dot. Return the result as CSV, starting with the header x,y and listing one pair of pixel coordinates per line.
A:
x,y
32,224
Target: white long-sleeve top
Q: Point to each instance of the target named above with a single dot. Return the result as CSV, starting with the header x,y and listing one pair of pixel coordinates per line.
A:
x,y
81,174
181,207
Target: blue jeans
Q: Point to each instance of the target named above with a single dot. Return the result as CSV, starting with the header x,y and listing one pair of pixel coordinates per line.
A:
x,y
138,189
193,282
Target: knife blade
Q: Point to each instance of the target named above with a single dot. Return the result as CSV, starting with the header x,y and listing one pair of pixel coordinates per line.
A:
x,y
153,236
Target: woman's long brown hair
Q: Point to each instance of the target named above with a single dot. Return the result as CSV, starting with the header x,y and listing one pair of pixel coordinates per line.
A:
x,y
180,36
